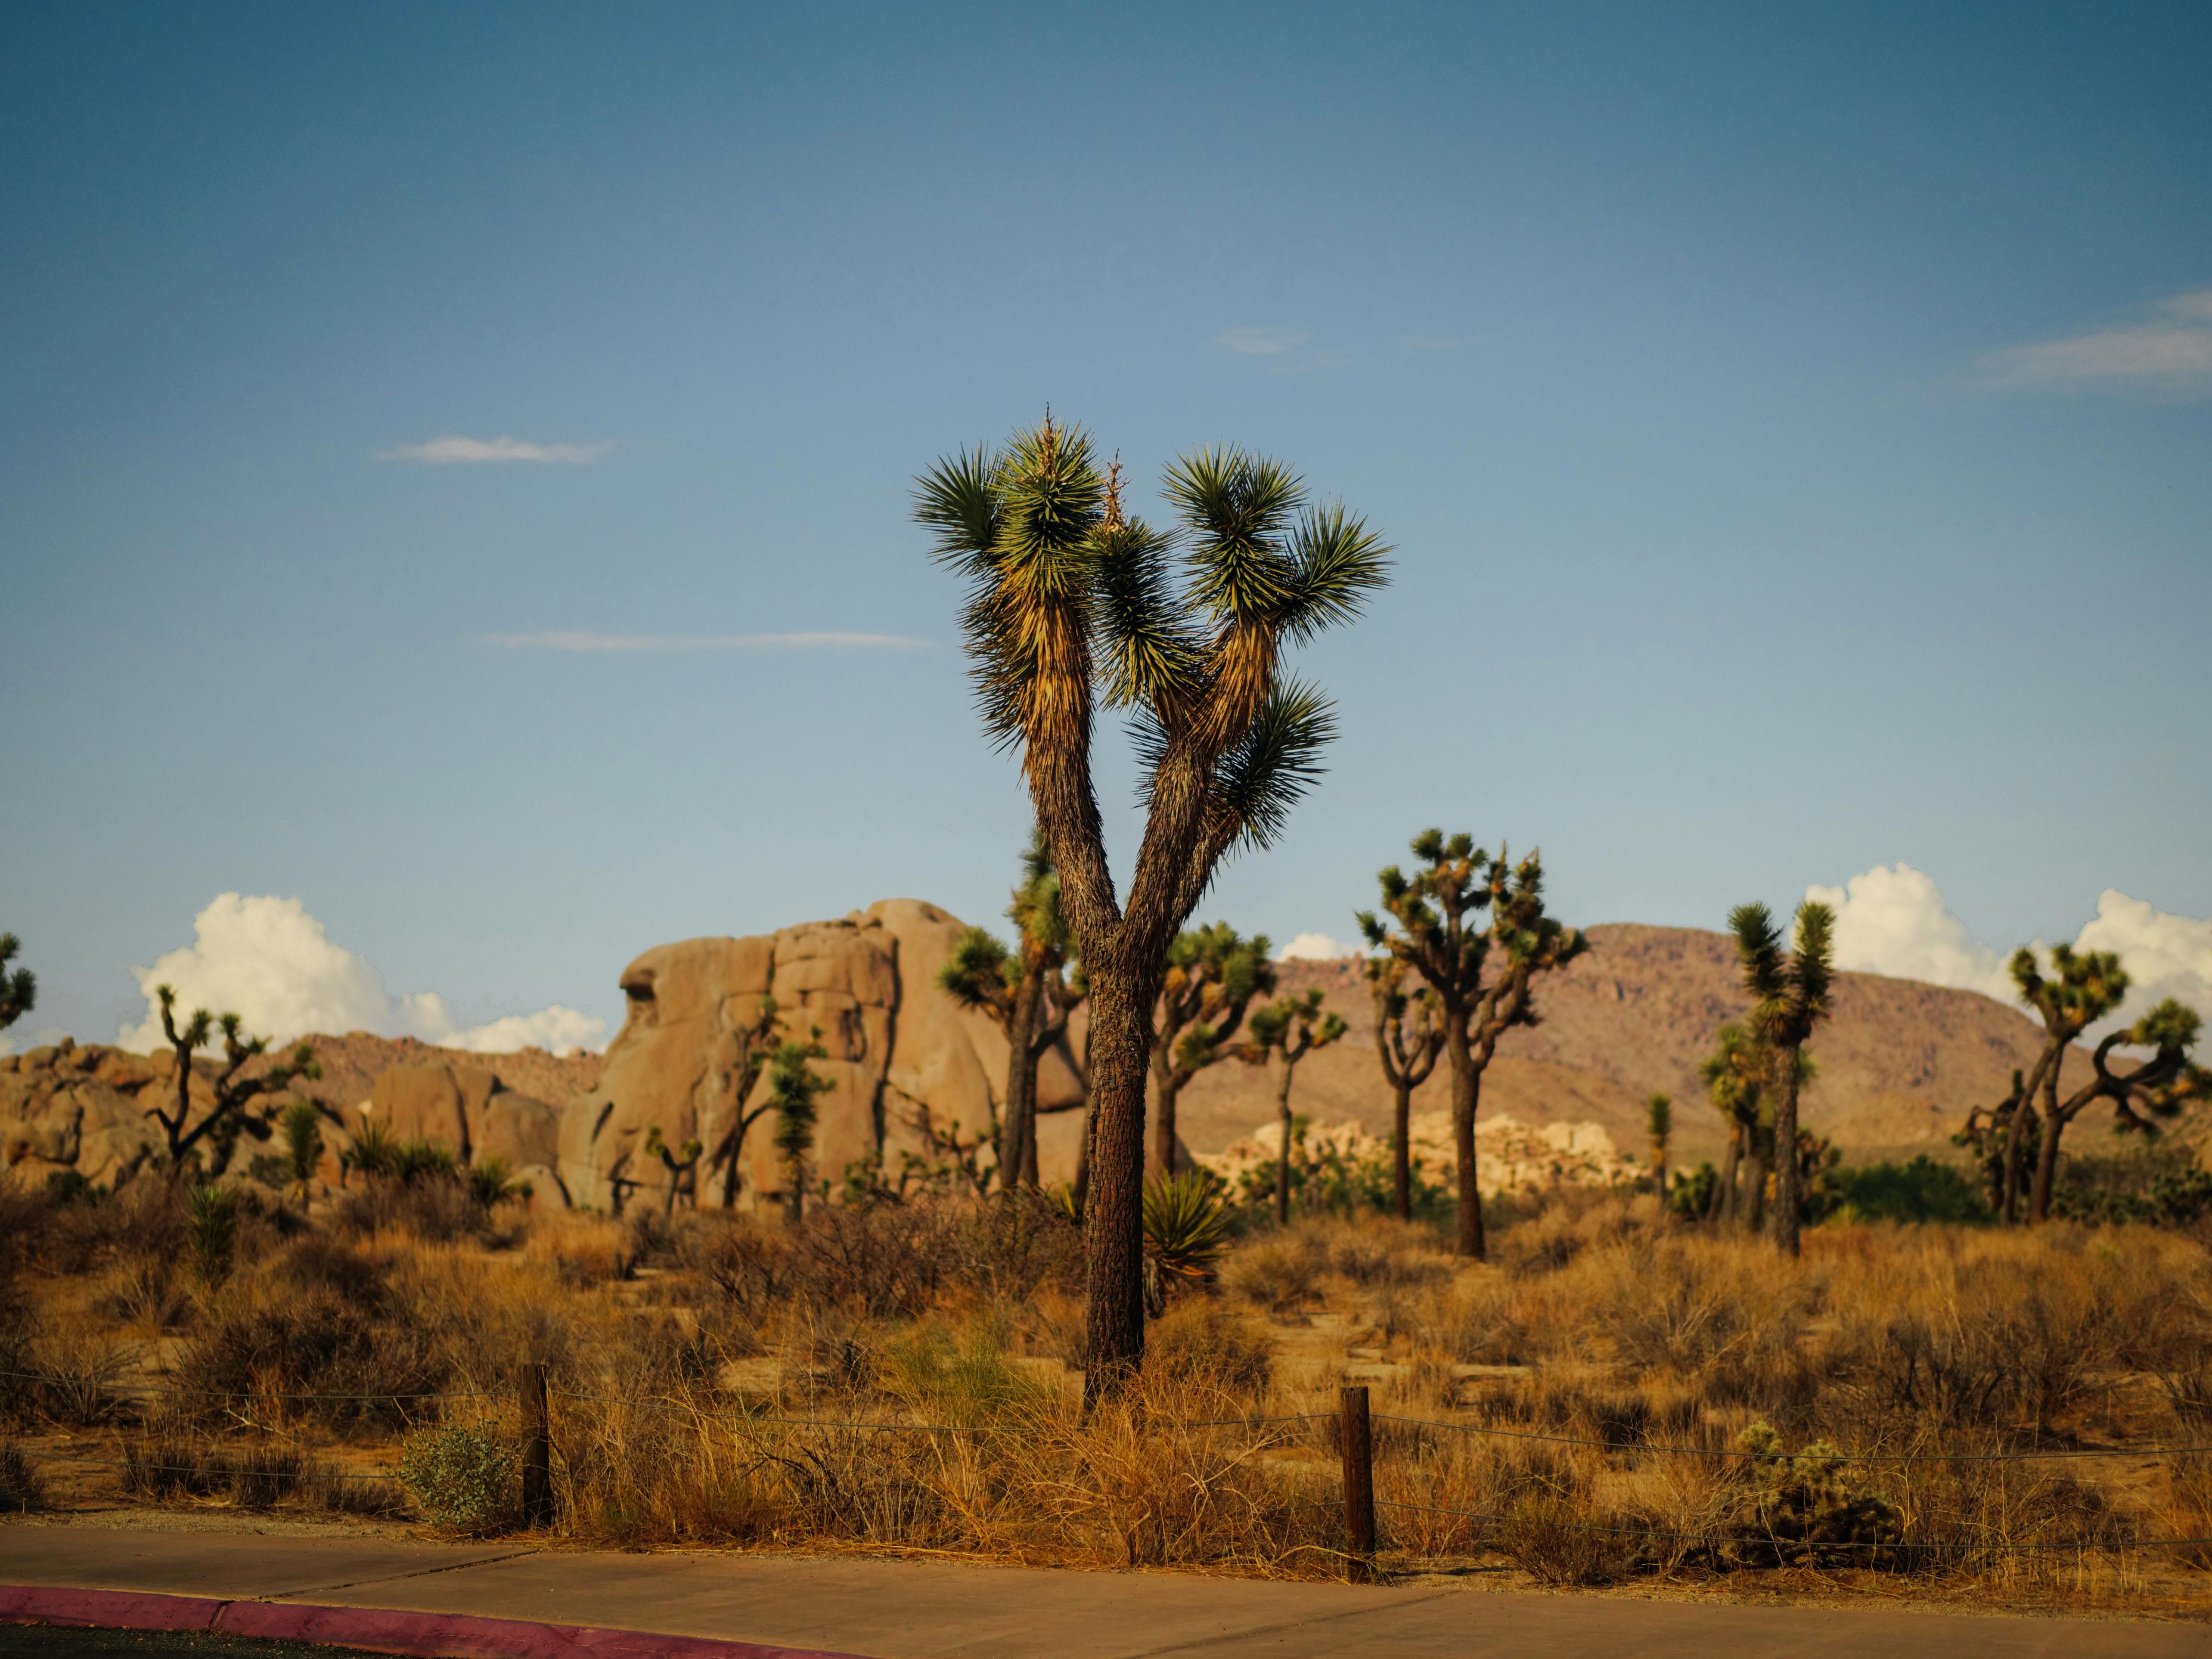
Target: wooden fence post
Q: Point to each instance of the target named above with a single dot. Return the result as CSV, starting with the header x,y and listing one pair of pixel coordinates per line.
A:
x,y
1359,1441
537,1447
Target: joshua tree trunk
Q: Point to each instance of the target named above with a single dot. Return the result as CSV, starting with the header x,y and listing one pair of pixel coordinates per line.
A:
x,y
1283,1153
1017,1145
1401,1156
1721,1206
1165,1093
1786,1170
1466,1086
2046,1158
1112,1208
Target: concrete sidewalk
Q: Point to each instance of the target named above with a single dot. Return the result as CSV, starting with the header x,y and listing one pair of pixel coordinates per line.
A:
x,y
905,1609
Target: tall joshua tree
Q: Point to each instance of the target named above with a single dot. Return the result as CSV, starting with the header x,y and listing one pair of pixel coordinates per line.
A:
x,y
1212,975
793,1084
2081,989
1739,1076
1409,1035
19,990
1028,994
2156,1089
1790,997
1073,605
233,1110
1439,936
1291,1030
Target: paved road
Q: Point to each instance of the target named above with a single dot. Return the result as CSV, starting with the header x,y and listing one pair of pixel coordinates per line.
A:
x,y
905,1609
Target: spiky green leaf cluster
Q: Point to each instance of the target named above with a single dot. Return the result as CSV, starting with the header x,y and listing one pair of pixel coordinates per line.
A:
x,y
1075,603
19,990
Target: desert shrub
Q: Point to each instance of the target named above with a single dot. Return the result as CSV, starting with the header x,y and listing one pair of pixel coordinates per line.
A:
x,y
1281,1273
2160,1184
1203,1342
969,1384
462,1479
211,1231
318,1261
21,1490
1556,1540
887,1260
143,1292
163,1466
751,1269
310,1353
1017,1243
1921,1191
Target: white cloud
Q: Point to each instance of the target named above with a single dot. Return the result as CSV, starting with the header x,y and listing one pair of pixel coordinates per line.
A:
x,y
1894,921
266,960
450,449
1260,342
577,641
2169,352
1315,947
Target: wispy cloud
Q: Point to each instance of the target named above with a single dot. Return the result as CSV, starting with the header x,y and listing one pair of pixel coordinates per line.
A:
x,y
2168,352
1260,342
564,641
1433,342
450,449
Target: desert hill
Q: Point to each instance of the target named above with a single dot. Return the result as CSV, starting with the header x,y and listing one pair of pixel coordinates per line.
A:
x,y
1901,1062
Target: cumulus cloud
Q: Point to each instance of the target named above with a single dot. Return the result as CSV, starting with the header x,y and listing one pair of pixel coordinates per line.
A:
x,y
1315,947
2169,351
1260,342
450,449
569,640
1894,920
270,962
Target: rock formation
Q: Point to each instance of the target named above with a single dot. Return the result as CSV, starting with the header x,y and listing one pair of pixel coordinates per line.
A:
x,y
1510,1156
910,1070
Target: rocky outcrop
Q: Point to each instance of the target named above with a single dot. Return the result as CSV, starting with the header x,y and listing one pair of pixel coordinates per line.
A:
x,y
469,1110
910,1071
1509,1156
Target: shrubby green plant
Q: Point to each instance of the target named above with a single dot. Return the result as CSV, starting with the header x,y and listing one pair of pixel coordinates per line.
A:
x,y
1923,1190
462,1478
212,1233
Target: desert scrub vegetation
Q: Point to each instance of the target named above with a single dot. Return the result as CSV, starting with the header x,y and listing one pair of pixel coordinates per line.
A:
x,y
1612,1395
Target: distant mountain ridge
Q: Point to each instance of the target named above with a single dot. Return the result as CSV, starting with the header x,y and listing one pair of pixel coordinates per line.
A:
x,y
1900,1062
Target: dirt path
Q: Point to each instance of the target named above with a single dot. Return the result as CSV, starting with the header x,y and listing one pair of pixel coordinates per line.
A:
x,y
908,1609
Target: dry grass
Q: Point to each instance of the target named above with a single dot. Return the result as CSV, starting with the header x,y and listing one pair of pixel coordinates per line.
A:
x,y
902,1378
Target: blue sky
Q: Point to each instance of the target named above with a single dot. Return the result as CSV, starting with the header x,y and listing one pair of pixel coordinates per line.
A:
x,y
1793,428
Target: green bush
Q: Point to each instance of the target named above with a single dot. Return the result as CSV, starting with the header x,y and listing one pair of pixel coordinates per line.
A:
x,y
1923,1190
461,1479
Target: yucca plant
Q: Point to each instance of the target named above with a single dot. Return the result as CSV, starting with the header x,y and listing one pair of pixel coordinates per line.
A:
x,y
1186,1226
303,1144
793,1086
1074,606
212,1233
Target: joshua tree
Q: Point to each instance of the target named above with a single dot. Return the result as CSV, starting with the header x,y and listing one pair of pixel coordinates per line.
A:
x,y
303,1144
1028,993
1293,1028
1073,605
1659,1120
18,990
682,1164
234,1109
792,1085
754,1043
1212,976
1439,936
1991,1134
1790,997
2157,1089
2084,986
1738,1076
1408,1057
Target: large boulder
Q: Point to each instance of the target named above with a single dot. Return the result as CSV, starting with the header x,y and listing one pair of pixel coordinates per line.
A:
x,y
909,1068
467,1109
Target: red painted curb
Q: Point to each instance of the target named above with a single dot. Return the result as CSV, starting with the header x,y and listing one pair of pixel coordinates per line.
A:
x,y
419,1635
41,1604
